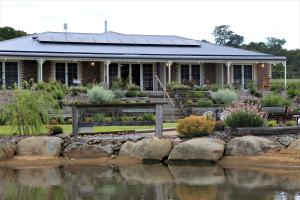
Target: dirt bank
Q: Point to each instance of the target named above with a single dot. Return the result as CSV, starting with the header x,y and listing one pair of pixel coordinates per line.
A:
x,y
267,160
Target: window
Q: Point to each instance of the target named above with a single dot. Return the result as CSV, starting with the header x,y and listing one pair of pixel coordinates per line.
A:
x,y
242,74
185,74
113,72
72,73
196,74
148,76
247,75
135,74
60,72
124,72
237,75
11,74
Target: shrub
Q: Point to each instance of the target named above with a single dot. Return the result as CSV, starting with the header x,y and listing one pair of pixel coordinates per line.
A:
x,y
99,117
173,86
126,119
198,94
204,103
55,130
292,92
75,90
275,100
244,106
118,93
107,119
131,93
148,117
244,119
290,123
195,126
115,85
133,87
272,123
29,111
99,95
214,87
277,87
142,94
219,126
224,96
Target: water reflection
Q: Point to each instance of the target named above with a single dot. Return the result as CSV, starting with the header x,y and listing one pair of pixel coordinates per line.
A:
x,y
148,182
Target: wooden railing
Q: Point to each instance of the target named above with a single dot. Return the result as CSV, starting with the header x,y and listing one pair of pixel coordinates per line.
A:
x,y
164,89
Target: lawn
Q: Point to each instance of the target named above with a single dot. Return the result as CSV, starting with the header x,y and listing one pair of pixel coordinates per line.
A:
x,y
6,130
287,80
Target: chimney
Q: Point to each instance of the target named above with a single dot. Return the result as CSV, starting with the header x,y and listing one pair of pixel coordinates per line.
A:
x,y
105,26
65,27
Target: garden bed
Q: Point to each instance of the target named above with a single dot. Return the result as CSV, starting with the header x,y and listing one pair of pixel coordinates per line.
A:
x,y
266,130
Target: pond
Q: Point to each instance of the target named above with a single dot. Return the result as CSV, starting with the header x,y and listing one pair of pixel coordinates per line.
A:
x,y
149,182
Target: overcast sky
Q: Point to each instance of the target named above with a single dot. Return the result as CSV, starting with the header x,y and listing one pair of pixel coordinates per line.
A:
x,y
255,20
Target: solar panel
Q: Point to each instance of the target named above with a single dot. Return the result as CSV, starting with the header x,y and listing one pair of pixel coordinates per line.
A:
x,y
114,38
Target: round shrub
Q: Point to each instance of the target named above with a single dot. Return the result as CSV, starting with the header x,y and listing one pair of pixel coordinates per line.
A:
x,y
224,96
195,126
198,94
131,93
204,103
55,130
99,95
275,100
243,118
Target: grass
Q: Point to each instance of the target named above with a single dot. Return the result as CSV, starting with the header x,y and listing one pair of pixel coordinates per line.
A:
x,y
6,130
287,80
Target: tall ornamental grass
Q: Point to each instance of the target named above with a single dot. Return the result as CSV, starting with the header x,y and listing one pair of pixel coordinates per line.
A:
x,y
29,111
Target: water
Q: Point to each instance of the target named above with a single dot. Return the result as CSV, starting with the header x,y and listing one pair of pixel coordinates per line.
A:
x,y
148,182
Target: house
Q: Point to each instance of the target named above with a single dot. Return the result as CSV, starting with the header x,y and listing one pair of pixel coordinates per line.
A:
x,y
85,58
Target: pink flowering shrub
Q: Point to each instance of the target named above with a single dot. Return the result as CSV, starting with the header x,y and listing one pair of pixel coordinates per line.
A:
x,y
244,114
247,106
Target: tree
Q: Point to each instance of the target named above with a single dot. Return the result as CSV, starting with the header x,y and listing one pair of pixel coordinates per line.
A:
x,y
10,33
224,36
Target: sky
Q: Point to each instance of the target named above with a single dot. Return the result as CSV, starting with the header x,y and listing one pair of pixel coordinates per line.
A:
x,y
255,20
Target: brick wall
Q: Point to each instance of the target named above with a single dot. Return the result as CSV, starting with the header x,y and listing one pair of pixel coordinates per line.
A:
x,y
210,73
89,73
30,70
263,76
47,72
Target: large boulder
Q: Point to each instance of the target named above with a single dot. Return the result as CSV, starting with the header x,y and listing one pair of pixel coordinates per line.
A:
x,y
250,145
200,149
147,149
7,150
293,148
40,146
84,150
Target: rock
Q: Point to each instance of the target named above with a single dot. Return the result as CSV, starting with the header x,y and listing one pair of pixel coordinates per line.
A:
x,y
200,149
293,148
250,145
286,140
63,136
84,150
40,146
147,149
7,150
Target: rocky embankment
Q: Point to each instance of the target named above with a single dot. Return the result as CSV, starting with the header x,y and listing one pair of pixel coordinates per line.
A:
x,y
147,148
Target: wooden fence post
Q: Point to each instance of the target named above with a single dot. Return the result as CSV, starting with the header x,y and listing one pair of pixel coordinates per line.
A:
x,y
75,121
158,120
